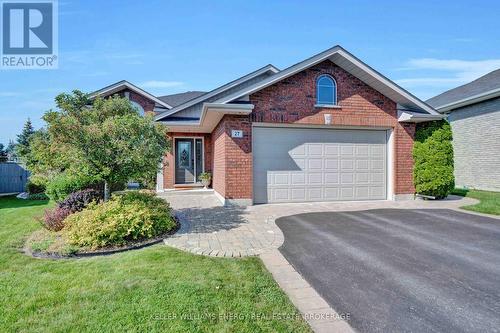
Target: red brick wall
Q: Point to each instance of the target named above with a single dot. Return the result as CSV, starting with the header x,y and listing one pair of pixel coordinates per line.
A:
x,y
404,159
169,159
233,158
292,101
147,104
219,137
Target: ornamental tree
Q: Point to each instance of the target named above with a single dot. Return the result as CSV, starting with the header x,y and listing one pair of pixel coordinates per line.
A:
x,y
105,139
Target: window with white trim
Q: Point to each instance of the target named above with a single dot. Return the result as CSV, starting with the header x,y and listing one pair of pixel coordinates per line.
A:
x,y
326,90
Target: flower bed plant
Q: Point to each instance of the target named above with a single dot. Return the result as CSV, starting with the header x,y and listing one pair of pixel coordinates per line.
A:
x,y
83,224
128,217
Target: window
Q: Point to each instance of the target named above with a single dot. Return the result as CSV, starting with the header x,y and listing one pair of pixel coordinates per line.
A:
x,y
139,108
326,90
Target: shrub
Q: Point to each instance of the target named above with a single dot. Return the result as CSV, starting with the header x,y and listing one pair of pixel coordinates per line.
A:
x,y
77,201
63,184
125,217
53,219
33,188
38,196
433,156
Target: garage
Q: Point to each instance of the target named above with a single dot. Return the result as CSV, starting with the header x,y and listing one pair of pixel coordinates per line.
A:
x,y
316,164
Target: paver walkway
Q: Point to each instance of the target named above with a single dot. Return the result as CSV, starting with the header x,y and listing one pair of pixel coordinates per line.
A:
x,y
208,228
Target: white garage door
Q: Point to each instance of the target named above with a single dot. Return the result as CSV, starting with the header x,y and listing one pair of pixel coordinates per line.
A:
x,y
303,164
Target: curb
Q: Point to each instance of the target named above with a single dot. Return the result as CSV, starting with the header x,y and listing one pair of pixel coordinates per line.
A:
x,y
314,309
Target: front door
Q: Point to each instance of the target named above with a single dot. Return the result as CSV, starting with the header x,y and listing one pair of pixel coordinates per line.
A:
x,y
188,160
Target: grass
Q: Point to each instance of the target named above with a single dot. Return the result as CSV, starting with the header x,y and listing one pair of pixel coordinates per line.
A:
x,y
489,201
156,289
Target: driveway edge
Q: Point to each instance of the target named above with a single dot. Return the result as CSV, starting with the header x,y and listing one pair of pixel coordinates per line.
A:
x,y
315,310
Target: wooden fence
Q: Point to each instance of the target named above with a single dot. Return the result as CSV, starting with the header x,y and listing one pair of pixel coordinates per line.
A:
x,y
13,177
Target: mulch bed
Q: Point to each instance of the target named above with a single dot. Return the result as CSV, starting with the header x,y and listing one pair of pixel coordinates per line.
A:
x,y
107,250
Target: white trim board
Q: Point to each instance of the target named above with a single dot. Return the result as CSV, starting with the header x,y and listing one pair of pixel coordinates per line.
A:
x,y
469,100
116,87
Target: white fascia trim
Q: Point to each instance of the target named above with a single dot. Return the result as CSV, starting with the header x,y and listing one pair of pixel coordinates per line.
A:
x,y
319,58
225,109
238,109
219,90
413,117
469,100
126,84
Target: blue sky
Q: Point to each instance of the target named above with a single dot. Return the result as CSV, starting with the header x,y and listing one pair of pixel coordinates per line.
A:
x,y
173,46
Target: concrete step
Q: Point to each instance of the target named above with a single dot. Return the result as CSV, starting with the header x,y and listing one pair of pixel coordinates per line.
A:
x,y
194,191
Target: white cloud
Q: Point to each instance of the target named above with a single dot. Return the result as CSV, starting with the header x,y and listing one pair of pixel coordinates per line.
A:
x,y
459,71
161,84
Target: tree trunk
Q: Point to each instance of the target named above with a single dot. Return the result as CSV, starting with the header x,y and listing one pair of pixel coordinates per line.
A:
x,y
106,191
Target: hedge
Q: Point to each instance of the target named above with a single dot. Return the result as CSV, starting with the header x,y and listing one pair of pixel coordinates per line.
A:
x,y
433,157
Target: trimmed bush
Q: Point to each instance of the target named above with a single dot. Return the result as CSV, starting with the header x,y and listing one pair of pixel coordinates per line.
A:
x,y
127,217
33,188
64,184
38,196
53,219
433,157
77,201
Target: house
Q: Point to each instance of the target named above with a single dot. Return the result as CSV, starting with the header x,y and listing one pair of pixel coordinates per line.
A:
x,y
327,128
473,111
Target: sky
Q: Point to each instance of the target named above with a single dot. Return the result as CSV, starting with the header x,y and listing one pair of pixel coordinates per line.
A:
x,y
168,47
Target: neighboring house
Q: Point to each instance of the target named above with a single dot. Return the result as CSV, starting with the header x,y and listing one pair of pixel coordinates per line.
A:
x,y
473,111
327,128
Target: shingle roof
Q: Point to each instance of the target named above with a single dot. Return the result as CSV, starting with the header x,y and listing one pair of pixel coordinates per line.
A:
x,y
485,83
178,99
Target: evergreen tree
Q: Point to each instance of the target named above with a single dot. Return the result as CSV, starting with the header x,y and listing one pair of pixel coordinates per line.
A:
x,y
11,151
3,154
23,140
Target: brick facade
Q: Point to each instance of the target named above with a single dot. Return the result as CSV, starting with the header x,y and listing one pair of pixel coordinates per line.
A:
x,y
292,101
232,176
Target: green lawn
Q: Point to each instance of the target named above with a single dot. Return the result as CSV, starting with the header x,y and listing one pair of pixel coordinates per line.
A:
x,y
490,201
156,289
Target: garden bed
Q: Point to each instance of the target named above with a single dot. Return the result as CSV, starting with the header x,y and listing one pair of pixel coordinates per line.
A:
x,y
49,245
83,225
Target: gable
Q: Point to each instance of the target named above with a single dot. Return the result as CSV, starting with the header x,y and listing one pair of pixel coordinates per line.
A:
x,y
192,109
350,64
294,99
123,86
194,112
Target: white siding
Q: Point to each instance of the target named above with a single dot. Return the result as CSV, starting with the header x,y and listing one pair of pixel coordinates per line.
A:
x,y
476,144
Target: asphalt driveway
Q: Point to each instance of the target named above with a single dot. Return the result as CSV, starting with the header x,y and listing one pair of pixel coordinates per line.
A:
x,y
398,270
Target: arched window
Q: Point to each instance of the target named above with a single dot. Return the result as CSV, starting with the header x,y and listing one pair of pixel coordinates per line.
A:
x,y
326,90
139,108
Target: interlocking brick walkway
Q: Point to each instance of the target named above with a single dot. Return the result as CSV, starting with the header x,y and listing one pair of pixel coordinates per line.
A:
x,y
208,228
